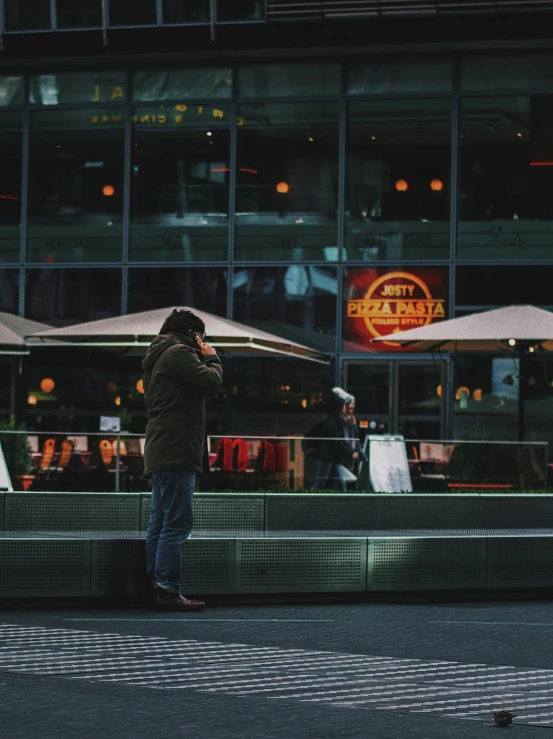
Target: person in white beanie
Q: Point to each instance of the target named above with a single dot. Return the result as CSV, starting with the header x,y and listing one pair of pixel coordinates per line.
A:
x,y
334,457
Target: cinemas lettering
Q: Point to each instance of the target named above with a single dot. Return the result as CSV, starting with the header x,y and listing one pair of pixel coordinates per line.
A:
x,y
381,303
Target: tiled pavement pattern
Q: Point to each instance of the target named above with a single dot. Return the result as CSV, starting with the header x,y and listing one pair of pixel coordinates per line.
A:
x,y
450,689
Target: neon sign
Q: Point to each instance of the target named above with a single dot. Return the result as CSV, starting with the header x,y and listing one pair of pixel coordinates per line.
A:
x,y
380,303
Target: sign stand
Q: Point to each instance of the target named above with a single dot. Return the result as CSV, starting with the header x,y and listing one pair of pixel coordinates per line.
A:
x,y
5,479
388,465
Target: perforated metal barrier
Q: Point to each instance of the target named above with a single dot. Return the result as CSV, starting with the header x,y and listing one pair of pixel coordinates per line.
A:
x,y
322,513
79,544
42,567
300,565
72,512
445,563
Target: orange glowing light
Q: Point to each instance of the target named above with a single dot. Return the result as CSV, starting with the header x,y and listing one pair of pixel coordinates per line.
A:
x,y
477,395
47,385
140,387
108,190
402,186
32,400
117,400
462,391
437,185
439,391
282,188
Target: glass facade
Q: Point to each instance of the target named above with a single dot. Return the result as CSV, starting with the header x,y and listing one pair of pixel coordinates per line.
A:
x,y
292,196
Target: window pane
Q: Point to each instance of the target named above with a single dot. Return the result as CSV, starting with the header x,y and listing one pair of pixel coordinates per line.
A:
x,y
379,301
182,84
9,290
204,288
11,91
76,186
397,182
506,158
132,12
286,80
501,285
513,72
286,194
94,87
27,15
10,186
84,14
180,176
6,369
296,302
65,296
240,10
406,76
271,396
186,11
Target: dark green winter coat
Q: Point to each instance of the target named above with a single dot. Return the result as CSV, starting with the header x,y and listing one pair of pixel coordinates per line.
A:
x,y
177,379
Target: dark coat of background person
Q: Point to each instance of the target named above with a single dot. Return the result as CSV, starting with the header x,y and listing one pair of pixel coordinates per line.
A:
x,y
337,452
176,383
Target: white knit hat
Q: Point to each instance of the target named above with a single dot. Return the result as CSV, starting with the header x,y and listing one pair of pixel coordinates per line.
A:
x,y
342,395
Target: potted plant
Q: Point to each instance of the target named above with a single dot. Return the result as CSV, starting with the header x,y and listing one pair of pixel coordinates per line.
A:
x,y
17,454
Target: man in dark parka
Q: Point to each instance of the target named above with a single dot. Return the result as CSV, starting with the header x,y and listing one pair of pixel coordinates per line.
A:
x,y
180,372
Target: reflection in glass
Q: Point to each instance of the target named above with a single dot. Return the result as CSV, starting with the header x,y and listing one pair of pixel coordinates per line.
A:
x,y
185,11
504,285
506,189
297,302
369,382
287,80
180,185
6,369
418,389
87,87
271,396
76,186
286,193
10,186
27,15
485,402
70,295
182,84
397,186
132,12
513,72
84,14
204,288
9,290
11,90
240,10
407,76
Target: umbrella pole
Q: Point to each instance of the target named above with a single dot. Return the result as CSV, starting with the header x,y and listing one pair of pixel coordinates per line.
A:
x,y
521,388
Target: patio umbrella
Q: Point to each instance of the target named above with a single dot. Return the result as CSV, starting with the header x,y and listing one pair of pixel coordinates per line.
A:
x,y
519,329
137,330
13,330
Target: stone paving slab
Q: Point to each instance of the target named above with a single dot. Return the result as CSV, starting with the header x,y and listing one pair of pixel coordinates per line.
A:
x,y
216,673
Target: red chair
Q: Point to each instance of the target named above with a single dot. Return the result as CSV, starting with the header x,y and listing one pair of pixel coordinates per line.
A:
x,y
240,455
224,457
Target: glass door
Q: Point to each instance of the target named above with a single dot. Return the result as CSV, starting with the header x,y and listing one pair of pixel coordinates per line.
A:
x,y
398,396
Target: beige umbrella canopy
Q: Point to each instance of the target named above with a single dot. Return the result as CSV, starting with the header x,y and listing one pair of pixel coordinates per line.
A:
x,y
484,332
136,331
13,330
517,328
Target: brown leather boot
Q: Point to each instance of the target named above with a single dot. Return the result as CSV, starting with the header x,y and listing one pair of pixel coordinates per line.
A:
x,y
176,602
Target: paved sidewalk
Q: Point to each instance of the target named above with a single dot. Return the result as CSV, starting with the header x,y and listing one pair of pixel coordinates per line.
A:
x,y
359,670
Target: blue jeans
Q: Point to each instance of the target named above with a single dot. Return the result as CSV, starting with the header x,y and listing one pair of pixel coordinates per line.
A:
x,y
328,477
170,526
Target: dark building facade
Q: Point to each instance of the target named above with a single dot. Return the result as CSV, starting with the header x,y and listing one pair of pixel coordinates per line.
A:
x,y
331,172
